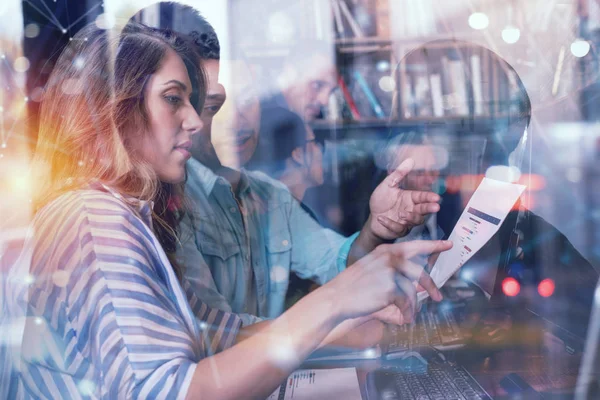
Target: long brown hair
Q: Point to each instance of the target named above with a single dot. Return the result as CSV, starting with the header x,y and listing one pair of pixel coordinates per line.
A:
x,y
93,111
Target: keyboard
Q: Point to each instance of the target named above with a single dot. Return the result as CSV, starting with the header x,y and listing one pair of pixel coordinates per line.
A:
x,y
443,381
431,328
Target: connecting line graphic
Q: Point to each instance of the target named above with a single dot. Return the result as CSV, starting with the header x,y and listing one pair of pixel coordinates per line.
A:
x,y
47,13
52,18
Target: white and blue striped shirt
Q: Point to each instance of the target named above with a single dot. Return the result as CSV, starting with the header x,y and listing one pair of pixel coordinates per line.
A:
x,y
106,315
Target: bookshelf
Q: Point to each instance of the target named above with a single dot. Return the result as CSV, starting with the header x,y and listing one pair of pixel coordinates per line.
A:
x,y
413,78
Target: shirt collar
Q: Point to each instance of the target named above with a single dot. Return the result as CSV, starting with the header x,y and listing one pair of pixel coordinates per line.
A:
x,y
142,207
244,184
199,174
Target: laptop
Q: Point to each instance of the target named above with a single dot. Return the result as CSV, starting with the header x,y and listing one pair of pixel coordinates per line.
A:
x,y
424,377
438,377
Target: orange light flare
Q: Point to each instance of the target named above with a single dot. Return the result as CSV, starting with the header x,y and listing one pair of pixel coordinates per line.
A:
x,y
467,184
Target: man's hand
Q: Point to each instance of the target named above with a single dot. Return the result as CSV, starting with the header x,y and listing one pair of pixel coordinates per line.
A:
x,y
394,211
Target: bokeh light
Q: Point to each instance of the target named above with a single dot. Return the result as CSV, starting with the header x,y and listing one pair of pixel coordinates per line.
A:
x,y
511,34
32,30
21,64
580,48
546,287
478,21
387,83
511,287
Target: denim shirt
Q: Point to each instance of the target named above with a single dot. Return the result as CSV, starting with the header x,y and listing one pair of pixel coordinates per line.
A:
x,y
223,248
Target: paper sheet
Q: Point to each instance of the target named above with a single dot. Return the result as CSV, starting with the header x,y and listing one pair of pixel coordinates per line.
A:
x,y
481,219
320,384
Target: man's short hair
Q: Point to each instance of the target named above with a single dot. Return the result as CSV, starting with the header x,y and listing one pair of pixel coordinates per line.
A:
x,y
280,134
186,20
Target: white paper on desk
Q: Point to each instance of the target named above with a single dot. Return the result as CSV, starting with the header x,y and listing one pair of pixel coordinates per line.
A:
x,y
481,219
320,384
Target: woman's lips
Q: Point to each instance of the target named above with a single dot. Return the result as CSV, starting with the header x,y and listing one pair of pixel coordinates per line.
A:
x,y
184,149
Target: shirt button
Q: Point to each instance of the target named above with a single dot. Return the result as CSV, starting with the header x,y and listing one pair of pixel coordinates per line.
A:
x,y
285,243
232,209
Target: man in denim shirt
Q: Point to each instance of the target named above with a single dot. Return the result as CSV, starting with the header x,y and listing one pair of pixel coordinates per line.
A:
x,y
245,231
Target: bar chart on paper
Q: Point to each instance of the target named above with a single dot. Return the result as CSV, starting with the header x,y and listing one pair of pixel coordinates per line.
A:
x,y
481,219
474,222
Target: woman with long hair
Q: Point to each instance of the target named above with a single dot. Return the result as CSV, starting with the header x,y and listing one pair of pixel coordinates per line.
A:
x,y
108,315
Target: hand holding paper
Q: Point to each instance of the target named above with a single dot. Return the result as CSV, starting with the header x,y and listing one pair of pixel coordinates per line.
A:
x,y
481,219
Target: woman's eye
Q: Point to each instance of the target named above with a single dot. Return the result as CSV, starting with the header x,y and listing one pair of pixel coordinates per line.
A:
x,y
173,100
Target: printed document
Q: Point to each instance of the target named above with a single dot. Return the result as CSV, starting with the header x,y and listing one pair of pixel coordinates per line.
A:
x,y
481,219
319,384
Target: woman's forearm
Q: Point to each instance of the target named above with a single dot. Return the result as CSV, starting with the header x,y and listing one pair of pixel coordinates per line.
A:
x,y
254,367
335,337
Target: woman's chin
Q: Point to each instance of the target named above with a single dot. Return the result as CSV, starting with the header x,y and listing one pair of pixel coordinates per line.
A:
x,y
174,178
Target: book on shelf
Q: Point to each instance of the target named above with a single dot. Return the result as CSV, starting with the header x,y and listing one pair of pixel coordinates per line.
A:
x,y
353,23
435,81
418,100
348,100
447,81
355,18
477,83
370,85
412,18
373,102
333,112
459,88
337,19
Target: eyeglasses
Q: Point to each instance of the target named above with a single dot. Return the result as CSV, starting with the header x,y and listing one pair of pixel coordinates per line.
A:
x,y
319,141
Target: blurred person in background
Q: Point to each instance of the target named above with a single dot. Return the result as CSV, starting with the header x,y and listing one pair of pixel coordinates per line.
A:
x,y
296,159
429,161
306,80
301,88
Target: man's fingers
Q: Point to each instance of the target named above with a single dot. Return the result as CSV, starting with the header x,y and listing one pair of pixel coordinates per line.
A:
x,y
431,260
411,218
404,168
425,208
410,249
427,283
406,300
416,273
418,196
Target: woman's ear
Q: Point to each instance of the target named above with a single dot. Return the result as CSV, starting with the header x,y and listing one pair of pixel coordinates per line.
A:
x,y
298,156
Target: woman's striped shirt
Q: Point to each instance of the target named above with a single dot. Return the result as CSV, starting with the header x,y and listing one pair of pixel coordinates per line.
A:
x,y
106,315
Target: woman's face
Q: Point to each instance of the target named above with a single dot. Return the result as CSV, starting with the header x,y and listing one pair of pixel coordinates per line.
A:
x,y
172,120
